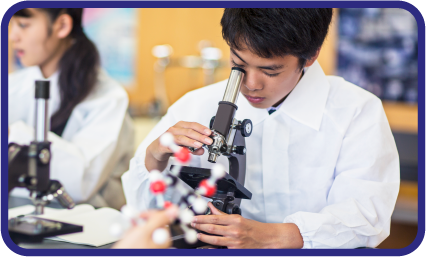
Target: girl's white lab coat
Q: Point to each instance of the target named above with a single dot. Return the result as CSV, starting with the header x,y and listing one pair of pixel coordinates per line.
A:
x,y
96,144
326,160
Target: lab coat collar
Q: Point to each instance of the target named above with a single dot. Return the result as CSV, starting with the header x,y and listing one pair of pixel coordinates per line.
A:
x,y
38,75
306,103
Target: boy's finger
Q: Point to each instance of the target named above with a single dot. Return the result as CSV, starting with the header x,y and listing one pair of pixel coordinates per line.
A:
x,y
214,210
196,126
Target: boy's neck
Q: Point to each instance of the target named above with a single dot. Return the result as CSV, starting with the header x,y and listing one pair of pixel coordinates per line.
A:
x,y
282,99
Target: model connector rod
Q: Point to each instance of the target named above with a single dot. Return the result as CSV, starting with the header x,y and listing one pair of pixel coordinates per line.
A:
x,y
42,120
223,121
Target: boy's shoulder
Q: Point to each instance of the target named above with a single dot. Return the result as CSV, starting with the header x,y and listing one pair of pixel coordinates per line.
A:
x,y
344,93
206,95
209,91
199,105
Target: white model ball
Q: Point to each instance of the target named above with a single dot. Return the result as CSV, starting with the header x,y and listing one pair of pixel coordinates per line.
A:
x,y
218,171
155,175
167,139
129,212
116,230
199,205
160,236
186,216
191,236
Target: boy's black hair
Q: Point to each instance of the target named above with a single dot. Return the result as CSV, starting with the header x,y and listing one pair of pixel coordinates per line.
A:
x,y
270,32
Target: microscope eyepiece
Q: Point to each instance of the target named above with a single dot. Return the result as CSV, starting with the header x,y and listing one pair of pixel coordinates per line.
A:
x,y
239,69
234,84
42,89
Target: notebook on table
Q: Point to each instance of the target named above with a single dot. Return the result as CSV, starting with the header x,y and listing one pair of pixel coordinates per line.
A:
x,y
96,222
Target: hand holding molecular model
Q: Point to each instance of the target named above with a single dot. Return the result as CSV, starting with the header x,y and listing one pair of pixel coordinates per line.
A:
x,y
160,182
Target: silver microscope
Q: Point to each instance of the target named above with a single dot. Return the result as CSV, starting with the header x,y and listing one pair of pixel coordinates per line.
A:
x,y
29,167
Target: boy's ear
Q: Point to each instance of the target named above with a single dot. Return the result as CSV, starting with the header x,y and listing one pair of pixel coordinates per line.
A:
x,y
313,59
63,25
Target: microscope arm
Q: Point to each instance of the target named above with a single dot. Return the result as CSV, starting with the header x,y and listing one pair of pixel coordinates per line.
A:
x,y
18,165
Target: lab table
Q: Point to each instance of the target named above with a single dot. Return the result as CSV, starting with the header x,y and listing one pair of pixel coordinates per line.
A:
x,y
48,244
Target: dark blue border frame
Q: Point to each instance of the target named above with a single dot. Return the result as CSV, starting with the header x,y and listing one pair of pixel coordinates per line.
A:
x,y
242,252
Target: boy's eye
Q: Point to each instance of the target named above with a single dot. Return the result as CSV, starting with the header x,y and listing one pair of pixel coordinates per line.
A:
x,y
271,75
267,74
236,65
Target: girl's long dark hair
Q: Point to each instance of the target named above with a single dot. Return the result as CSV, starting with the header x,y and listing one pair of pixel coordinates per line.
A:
x,y
78,67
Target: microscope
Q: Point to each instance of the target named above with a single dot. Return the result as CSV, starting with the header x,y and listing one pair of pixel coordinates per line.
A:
x,y
228,136
29,167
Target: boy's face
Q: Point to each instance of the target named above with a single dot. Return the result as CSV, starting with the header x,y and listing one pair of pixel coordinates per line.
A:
x,y
267,80
31,39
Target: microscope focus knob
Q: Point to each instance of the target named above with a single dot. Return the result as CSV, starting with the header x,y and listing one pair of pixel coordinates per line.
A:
x,y
241,150
246,128
232,208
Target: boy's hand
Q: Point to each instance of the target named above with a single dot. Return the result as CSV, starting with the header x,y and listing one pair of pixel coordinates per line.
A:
x,y
189,134
237,232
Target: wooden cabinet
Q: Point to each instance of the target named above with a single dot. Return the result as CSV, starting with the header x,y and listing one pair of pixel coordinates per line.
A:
x,y
402,117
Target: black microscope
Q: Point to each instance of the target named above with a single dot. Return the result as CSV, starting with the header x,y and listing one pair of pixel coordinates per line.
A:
x,y
29,167
228,136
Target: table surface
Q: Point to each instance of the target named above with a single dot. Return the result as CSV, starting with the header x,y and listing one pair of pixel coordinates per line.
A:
x,y
48,244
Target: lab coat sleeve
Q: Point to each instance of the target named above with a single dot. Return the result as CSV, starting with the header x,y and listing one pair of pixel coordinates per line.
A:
x,y
16,92
79,163
136,180
363,195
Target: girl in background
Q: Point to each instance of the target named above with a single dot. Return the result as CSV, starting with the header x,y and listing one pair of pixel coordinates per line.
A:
x,y
90,131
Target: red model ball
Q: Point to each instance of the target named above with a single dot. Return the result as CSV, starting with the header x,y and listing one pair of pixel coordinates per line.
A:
x,y
210,190
158,187
183,155
167,204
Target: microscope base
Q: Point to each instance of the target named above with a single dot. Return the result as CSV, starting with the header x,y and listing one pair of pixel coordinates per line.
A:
x,y
178,239
34,230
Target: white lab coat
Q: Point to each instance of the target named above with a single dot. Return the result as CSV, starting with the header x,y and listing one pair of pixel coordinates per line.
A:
x,y
326,160
96,144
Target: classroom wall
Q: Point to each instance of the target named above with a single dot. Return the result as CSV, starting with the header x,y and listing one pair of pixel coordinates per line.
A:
x,y
328,54
183,29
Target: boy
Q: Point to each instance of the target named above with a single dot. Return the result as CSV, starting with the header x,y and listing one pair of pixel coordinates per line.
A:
x,y
322,164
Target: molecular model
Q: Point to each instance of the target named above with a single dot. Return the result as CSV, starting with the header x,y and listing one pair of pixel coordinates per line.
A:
x,y
191,203
130,218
